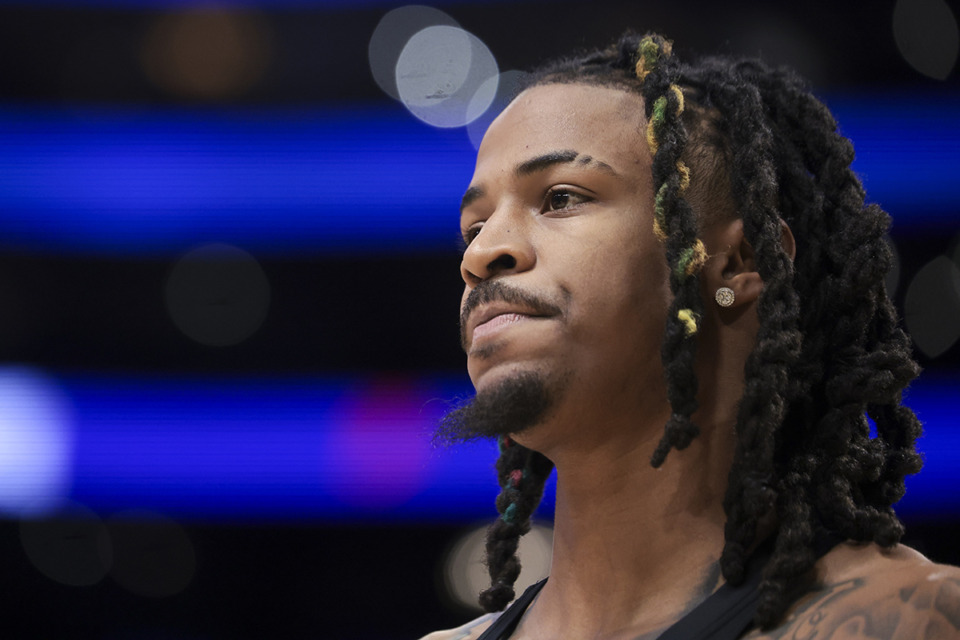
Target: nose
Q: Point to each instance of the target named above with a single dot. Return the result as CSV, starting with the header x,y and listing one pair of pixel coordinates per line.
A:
x,y
502,246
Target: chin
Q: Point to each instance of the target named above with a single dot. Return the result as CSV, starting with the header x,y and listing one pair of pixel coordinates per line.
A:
x,y
508,402
487,374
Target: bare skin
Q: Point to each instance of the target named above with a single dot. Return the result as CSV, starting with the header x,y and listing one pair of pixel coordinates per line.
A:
x,y
561,207
864,593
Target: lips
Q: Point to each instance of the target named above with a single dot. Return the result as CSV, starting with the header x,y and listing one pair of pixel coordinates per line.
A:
x,y
488,319
493,298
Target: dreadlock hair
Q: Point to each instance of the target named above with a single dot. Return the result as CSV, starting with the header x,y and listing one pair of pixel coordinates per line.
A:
x,y
731,138
522,474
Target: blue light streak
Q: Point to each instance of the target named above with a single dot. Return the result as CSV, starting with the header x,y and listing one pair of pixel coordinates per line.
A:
x,y
334,450
136,181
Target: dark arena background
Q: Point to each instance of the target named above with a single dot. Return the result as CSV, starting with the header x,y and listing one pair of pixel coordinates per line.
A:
x,y
229,286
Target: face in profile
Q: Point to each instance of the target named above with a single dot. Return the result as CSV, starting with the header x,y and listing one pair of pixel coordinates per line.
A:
x,y
564,279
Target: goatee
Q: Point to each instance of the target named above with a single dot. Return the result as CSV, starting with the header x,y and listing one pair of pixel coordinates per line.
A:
x,y
509,407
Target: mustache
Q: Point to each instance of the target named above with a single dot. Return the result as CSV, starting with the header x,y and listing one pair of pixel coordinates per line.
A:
x,y
496,291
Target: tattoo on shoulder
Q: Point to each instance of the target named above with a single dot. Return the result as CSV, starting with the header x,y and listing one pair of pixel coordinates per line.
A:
x,y
928,610
806,622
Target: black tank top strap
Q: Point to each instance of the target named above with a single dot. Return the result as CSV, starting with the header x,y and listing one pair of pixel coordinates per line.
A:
x,y
728,613
505,625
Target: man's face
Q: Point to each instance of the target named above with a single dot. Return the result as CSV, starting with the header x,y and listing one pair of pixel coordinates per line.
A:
x,y
563,275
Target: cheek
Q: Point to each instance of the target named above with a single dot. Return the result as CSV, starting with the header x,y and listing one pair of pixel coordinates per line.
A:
x,y
643,294
623,289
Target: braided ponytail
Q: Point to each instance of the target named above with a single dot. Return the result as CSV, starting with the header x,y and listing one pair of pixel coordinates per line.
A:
x,y
522,474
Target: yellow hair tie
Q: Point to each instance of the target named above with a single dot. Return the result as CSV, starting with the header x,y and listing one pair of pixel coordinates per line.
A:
x,y
658,231
684,172
679,94
647,55
698,259
689,320
652,139
641,70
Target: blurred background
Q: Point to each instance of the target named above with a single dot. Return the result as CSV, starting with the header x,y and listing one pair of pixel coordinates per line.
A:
x,y
229,283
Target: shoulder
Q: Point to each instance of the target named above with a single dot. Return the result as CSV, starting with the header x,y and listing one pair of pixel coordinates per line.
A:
x,y
864,591
469,631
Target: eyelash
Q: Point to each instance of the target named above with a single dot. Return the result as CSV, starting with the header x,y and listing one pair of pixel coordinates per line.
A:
x,y
572,193
468,237
471,233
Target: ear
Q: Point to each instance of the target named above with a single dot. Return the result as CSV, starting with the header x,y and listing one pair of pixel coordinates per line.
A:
x,y
732,263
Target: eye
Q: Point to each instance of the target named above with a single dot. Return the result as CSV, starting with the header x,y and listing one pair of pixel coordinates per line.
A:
x,y
469,234
559,198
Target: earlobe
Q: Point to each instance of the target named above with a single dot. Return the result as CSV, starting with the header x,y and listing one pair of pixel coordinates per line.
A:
x,y
746,287
787,240
732,263
730,274
726,276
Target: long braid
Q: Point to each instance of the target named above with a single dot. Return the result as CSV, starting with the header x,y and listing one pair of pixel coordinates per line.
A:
x,y
768,389
831,461
676,225
522,474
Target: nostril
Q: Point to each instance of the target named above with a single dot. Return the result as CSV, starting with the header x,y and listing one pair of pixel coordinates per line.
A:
x,y
471,279
502,262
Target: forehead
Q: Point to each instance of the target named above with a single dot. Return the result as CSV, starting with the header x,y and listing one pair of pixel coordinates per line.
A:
x,y
604,122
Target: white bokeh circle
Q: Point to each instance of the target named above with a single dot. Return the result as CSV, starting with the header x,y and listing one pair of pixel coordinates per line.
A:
x,y
446,76
392,33
465,572
36,443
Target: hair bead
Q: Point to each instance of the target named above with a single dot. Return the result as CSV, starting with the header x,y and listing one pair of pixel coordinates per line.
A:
x,y
510,514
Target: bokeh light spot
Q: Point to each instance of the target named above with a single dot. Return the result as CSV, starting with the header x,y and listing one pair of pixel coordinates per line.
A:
x,y
218,295
444,76
932,306
388,412
71,547
152,555
393,31
465,571
36,443
927,36
207,53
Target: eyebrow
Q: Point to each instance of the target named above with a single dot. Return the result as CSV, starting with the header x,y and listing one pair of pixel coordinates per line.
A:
x,y
540,163
473,193
567,156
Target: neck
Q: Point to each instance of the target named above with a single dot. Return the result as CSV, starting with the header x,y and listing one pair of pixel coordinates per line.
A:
x,y
634,547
